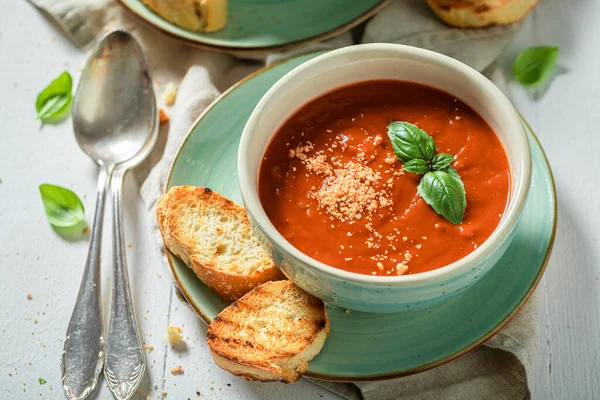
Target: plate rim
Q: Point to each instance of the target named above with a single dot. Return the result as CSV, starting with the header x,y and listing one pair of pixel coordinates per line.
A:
x,y
256,50
392,375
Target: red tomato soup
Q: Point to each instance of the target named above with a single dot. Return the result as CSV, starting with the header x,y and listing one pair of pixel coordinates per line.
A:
x,y
332,186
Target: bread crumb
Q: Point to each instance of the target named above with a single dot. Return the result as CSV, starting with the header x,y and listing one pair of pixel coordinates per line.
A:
x,y
163,117
148,347
163,394
174,335
178,370
129,245
170,93
29,296
401,268
300,151
85,230
350,192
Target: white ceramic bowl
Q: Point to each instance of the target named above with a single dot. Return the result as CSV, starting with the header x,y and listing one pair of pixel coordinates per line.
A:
x,y
382,61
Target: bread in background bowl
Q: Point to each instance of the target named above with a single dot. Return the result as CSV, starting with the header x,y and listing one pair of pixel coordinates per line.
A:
x,y
481,13
193,15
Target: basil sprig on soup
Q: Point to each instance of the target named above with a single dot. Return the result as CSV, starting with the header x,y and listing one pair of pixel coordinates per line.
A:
x,y
441,186
375,177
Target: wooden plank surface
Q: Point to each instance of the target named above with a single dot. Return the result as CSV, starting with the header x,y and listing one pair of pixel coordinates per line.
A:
x,y
564,115
35,260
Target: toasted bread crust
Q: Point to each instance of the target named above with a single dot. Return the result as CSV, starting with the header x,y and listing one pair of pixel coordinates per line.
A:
x,y
185,206
481,13
242,343
230,285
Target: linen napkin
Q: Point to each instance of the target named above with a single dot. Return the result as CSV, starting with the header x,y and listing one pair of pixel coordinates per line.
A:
x,y
499,369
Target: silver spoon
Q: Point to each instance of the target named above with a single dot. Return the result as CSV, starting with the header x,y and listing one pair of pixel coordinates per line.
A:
x,y
115,121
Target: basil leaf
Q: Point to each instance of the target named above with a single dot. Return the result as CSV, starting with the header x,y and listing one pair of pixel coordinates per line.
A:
x,y
410,142
455,174
441,161
63,207
42,381
54,102
416,166
535,64
445,193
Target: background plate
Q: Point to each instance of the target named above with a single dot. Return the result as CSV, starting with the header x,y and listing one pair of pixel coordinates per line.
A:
x,y
373,346
267,25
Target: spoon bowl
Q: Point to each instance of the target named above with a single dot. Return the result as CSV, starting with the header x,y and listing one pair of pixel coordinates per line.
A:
x,y
114,111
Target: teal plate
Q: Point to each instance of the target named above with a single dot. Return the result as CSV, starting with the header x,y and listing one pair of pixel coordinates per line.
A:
x,y
256,26
373,346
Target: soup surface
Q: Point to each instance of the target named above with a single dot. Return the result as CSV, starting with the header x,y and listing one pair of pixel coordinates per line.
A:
x,y
332,186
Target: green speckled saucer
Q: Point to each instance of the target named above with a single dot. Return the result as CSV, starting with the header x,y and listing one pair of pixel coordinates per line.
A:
x,y
373,346
258,26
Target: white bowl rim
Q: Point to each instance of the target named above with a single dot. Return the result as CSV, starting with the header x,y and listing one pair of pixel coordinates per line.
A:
x,y
504,228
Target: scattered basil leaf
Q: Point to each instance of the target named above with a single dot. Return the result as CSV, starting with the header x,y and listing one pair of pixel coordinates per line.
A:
x,y
54,102
535,64
441,161
416,166
410,142
42,381
445,194
63,208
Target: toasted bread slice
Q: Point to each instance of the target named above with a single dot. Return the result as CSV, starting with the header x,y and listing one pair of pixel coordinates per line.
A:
x,y
481,13
270,334
211,234
472,3
194,15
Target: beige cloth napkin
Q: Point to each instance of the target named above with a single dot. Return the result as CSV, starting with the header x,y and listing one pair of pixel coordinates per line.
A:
x,y
498,369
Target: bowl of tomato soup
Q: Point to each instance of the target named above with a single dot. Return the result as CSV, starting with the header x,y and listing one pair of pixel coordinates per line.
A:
x,y
382,177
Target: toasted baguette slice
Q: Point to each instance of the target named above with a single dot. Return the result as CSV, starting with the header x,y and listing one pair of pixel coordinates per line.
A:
x,y
481,13
470,3
270,334
194,15
211,234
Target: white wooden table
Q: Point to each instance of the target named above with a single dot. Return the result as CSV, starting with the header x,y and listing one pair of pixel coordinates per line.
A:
x,y
35,260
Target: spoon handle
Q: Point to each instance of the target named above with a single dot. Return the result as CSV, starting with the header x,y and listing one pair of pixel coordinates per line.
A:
x,y
125,364
83,353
